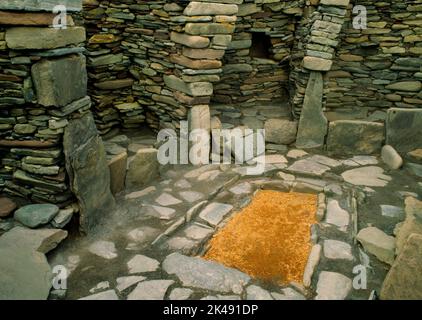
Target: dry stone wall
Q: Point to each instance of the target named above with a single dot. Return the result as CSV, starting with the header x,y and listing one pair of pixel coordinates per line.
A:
x,y
151,61
371,75
112,42
379,67
254,84
36,101
43,96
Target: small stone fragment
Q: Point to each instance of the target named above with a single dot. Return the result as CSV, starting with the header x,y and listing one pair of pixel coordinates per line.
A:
x,y
103,249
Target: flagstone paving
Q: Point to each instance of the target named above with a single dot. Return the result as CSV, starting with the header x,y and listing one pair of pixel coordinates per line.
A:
x,y
151,247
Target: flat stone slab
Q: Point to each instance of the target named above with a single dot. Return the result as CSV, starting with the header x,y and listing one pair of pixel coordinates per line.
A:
x,y
180,294
142,234
271,159
367,176
106,295
191,196
337,250
167,199
288,294
311,264
308,167
221,297
209,175
25,274
163,213
183,184
296,153
198,171
242,188
126,282
355,137
203,274
350,163
150,290
197,232
333,286
103,249
141,263
365,160
22,38
317,64
101,286
41,240
255,170
54,90
391,211
378,243
254,292
286,176
35,215
215,212
327,161
336,215
316,184
140,194
181,244
200,8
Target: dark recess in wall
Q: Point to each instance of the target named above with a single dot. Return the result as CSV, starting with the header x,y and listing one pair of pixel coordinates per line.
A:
x,y
261,45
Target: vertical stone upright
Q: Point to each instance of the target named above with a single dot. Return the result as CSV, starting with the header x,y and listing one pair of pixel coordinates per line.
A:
x,y
199,118
315,49
313,125
88,171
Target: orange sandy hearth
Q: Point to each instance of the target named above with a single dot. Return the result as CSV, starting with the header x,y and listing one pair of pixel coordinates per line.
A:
x,y
270,238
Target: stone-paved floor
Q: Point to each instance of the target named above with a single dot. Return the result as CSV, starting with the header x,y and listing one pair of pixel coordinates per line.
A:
x,y
150,246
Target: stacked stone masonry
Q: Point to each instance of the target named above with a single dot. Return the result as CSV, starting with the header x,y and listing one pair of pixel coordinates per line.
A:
x,y
250,64
43,101
254,84
379,67
36,101
151,61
